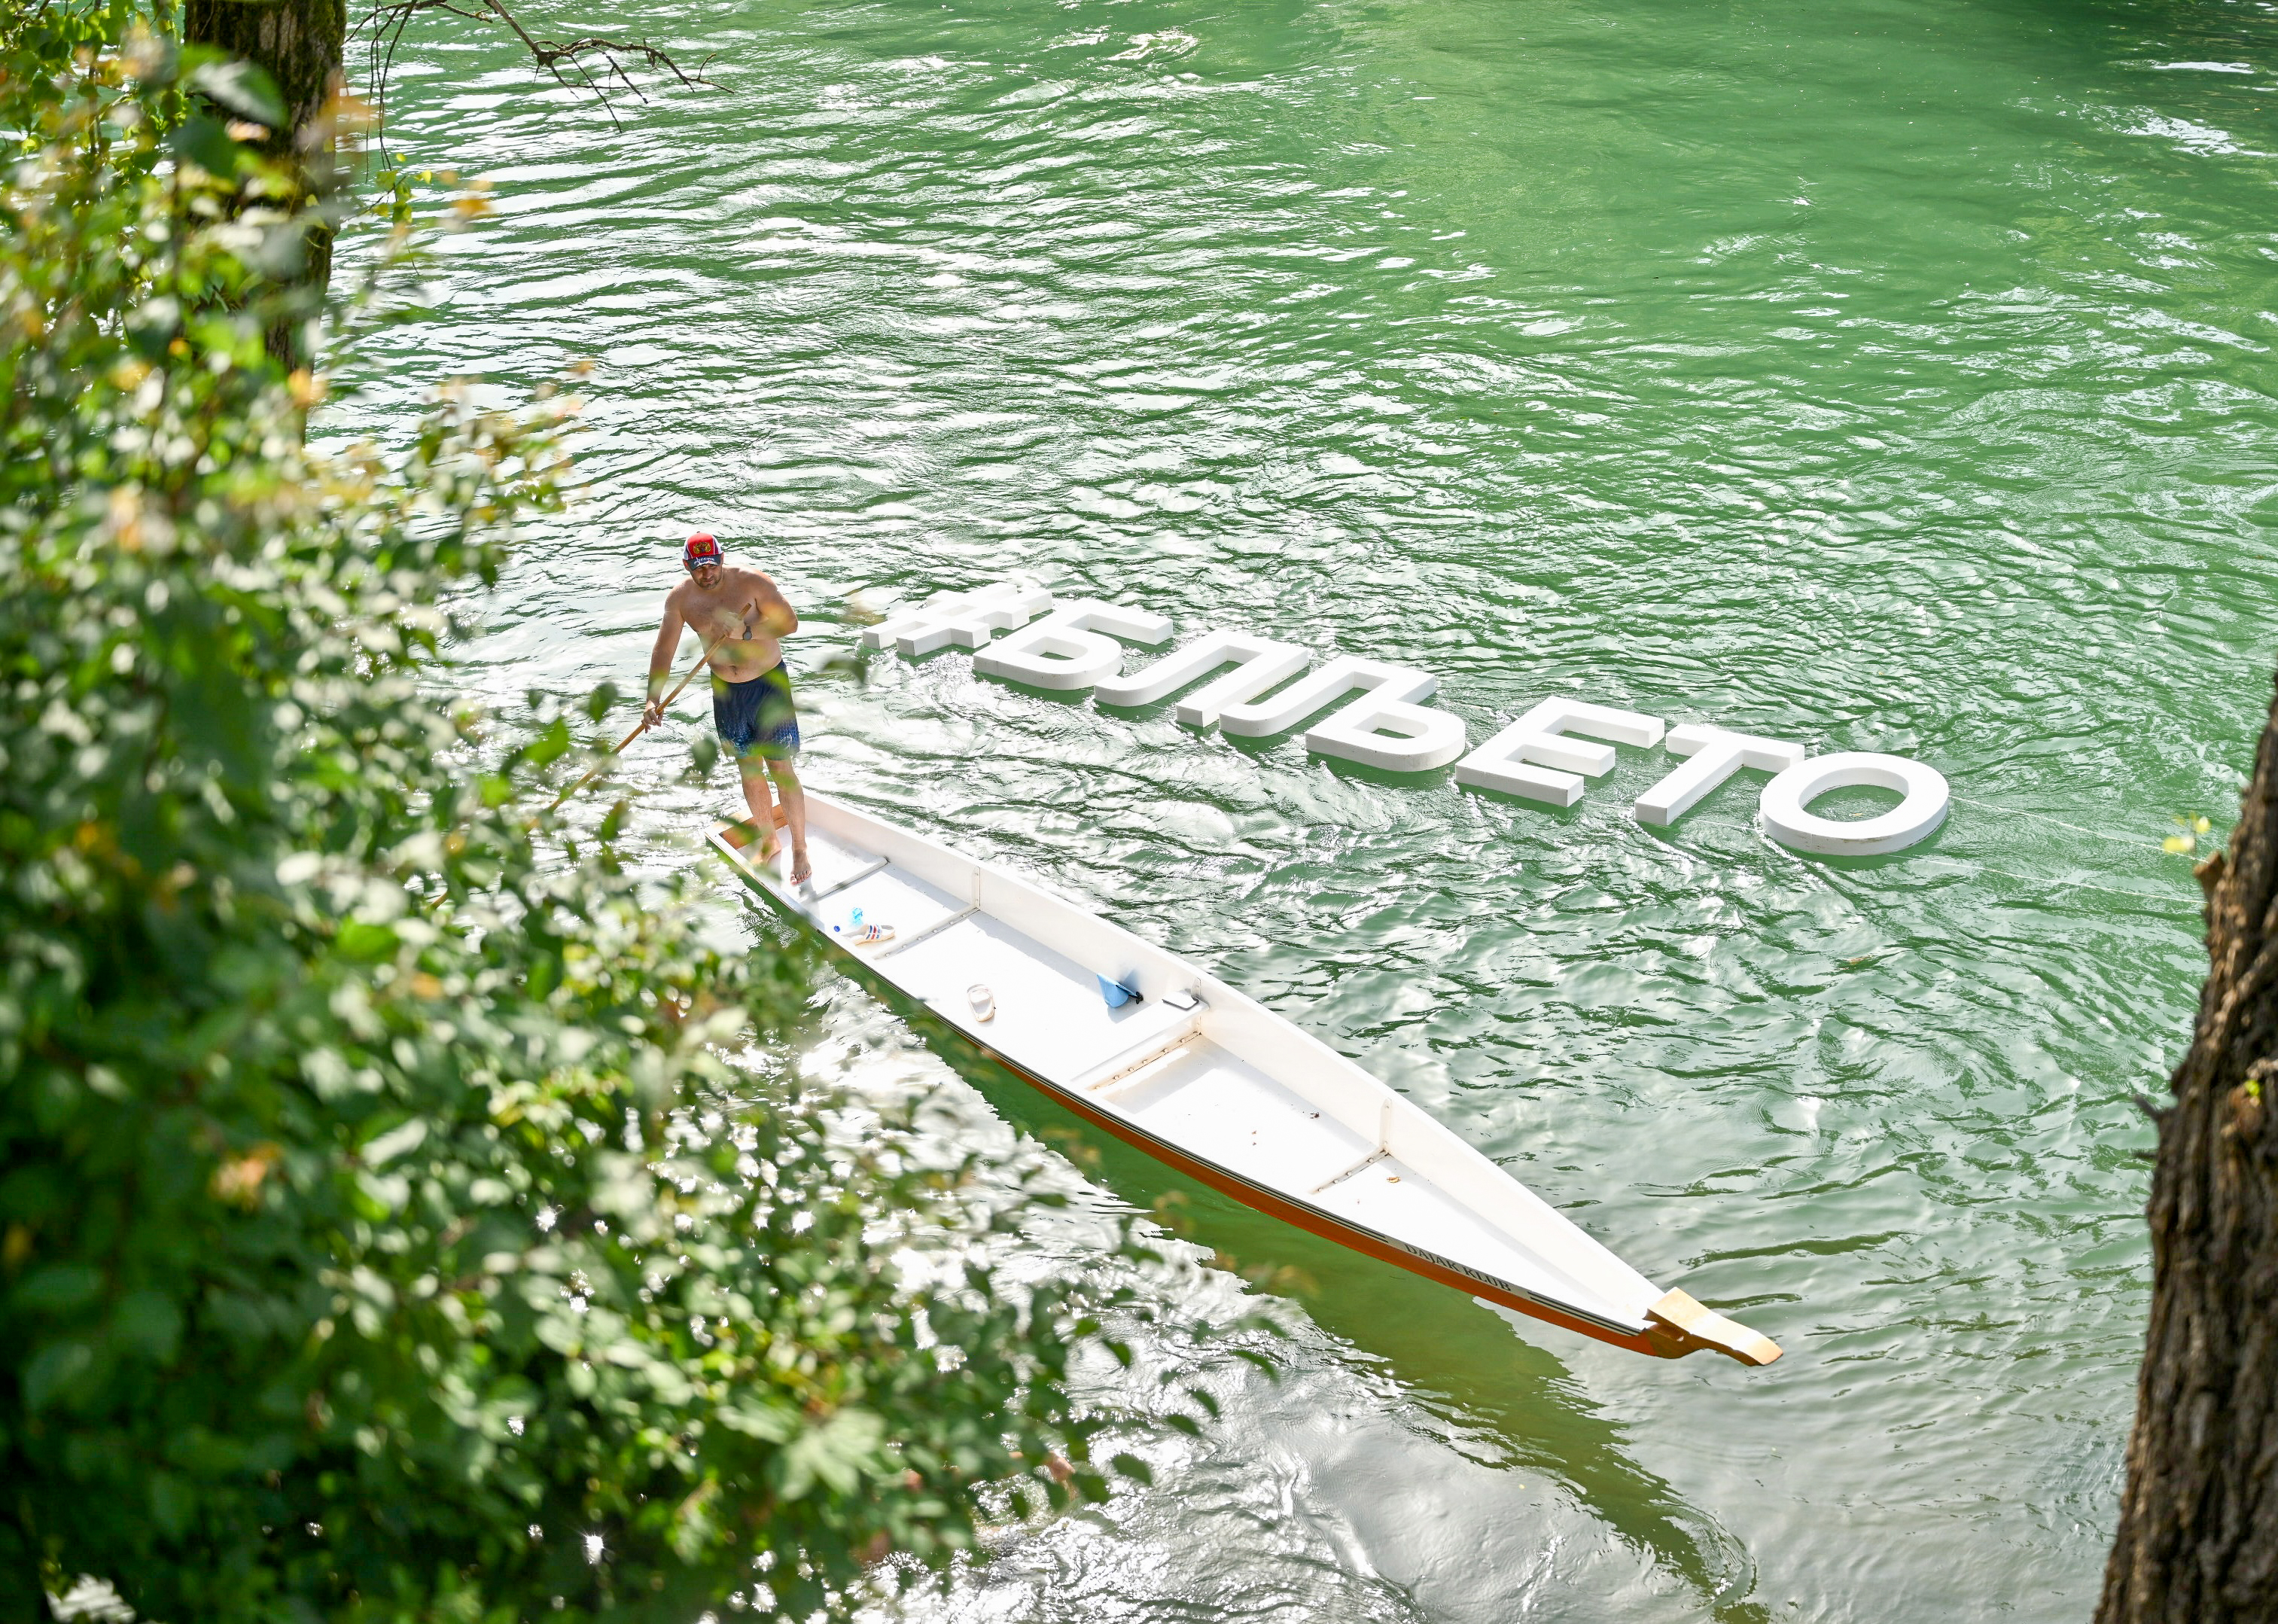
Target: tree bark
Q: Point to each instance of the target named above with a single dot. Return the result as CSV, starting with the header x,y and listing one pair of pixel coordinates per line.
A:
x,y
302,44
2199,1520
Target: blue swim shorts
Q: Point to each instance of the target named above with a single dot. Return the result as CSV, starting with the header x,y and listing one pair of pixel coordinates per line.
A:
x,y
755,719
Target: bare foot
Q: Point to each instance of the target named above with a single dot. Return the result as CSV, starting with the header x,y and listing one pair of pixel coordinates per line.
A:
x,y
768,843
801,869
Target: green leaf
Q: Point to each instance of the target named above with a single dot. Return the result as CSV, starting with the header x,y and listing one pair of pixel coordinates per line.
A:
x,y
1131,1466
835,1455
59,1288
367,944
755,1420
149,1323
52,1369
171,1503
243,88
203,141
384,1148
552,743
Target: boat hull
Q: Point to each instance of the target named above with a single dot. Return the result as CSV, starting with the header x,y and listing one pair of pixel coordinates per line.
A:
x,y
1226,1181
1690,1329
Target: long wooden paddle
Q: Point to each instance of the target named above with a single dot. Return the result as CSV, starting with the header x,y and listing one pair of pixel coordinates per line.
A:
x,y
701,661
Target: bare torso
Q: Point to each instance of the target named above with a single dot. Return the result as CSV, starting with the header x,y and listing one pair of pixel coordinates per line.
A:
x,y
730,614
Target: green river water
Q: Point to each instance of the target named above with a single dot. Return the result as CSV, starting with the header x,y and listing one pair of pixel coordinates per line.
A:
x,y
1885,374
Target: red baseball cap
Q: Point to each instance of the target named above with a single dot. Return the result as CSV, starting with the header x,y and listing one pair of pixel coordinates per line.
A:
x,y
701,549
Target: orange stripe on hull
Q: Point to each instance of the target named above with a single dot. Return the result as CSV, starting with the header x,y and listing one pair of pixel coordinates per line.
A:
x,y
1314,1221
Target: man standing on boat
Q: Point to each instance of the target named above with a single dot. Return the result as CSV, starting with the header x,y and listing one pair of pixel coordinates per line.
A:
x,y
740,615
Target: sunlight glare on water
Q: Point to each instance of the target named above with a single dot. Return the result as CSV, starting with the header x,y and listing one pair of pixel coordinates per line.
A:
x,y
1879,375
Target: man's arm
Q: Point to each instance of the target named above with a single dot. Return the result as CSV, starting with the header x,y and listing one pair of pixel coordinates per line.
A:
x,y
775,612
661,657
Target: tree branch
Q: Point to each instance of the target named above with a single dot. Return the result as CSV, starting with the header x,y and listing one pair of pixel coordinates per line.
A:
x,y
388,18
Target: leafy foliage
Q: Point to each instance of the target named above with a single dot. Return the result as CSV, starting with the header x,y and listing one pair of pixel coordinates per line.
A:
x,y
394,1220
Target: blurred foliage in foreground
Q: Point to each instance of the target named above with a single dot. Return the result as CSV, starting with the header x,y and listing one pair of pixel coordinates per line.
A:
x,y
389,1228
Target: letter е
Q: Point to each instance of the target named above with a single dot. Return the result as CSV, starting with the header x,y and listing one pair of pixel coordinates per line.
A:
x,y
1539,736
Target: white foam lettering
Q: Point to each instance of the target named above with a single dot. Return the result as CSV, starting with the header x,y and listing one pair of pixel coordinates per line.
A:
x,y
1542,755
1540,737
1278,713
1069,648
1787,797
1260,662
1716,755
965,618
1390,733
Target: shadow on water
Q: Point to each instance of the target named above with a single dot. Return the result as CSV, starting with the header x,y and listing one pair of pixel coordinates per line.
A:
x,y
1361,772
1460,1360
1549,812
1071,699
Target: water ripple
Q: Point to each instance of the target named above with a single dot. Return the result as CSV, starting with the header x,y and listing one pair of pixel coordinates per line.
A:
x,y
1875,378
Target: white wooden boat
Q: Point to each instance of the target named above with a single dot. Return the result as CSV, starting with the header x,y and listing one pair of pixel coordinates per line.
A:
x,y
1208,1081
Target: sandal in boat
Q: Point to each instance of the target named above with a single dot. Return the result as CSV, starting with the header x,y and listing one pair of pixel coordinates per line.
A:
x,y
983,1002
869,935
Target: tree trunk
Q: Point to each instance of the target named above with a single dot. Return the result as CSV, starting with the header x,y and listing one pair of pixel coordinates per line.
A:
x,y
301,43
2198,1522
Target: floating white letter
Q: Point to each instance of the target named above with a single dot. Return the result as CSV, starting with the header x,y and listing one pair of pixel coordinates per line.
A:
x,y
1539,736
966,618
1068,649
1390,733
1716,755
1272,662
1260,662
1260,718
1786,797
